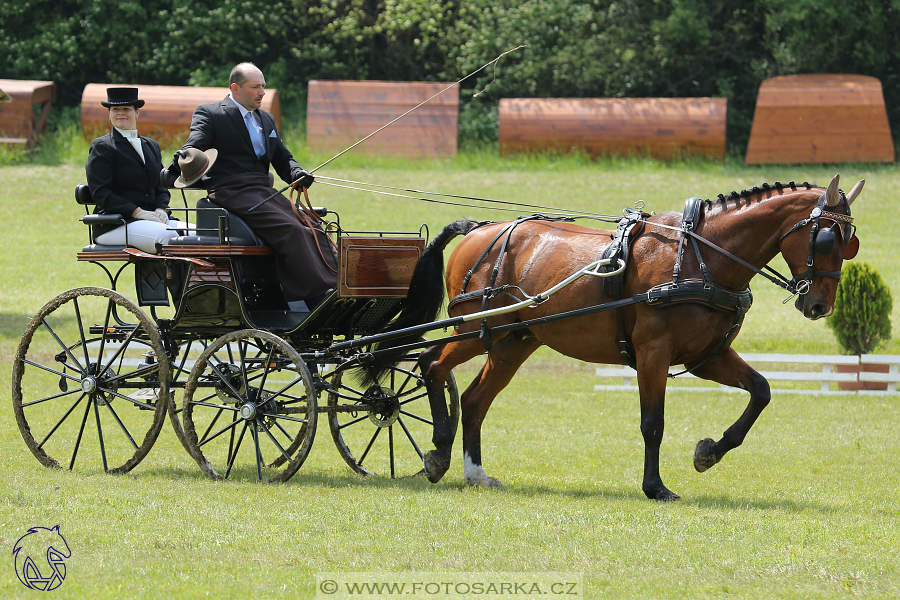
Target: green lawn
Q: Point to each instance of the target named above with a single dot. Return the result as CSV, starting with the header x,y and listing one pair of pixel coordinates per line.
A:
x,y
807,508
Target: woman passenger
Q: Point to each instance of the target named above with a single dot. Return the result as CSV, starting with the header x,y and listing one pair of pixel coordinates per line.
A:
x,y
123,176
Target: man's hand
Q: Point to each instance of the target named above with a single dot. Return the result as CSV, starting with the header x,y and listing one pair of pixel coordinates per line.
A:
x,y
175,168
305,178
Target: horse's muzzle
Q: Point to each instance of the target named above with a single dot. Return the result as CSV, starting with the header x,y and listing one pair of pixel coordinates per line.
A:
x,y
813,310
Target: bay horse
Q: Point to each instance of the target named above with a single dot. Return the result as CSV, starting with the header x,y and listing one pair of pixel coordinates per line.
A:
x,y
739,233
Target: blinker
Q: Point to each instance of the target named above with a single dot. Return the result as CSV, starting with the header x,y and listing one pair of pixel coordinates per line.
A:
x,y
851,249
825,241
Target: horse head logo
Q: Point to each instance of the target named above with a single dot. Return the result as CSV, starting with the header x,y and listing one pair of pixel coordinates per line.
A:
x,y
40,558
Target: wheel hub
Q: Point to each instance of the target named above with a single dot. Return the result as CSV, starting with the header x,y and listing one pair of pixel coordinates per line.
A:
x,y
89,384
383,404
248,411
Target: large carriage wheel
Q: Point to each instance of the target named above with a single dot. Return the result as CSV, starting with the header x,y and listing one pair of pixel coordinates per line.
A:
x,y
382,429
254,417
87,378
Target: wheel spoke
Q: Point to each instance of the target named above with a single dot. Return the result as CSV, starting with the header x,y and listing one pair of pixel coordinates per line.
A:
x,y
211,425
391,449
100,436
54,371
410,437
127,398
87,359
369,447
354,421
53,397
65,416
80,369
109,305
417,417
124,346
286,417
87,410
231,456
284,431
220,432
274,441
121,424
424,394
255,433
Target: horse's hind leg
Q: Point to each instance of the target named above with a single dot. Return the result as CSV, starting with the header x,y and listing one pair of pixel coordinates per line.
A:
x,y
504,359
436,363
730,369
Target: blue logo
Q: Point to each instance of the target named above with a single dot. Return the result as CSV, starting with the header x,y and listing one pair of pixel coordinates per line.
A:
x,y
40,558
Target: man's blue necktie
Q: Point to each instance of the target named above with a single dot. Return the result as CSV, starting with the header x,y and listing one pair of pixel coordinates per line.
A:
x,y
255,135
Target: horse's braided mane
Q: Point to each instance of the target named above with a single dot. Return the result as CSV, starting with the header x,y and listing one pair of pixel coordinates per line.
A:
x,y
756,190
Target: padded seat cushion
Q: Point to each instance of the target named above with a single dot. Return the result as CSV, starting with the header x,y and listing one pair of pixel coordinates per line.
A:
x,y
102,248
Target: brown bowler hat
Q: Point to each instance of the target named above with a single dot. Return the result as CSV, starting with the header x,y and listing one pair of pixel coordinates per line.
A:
x,y
194,165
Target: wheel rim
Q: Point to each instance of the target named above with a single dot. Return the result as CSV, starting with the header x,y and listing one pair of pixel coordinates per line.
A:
x,y
86,382
254,418
391,426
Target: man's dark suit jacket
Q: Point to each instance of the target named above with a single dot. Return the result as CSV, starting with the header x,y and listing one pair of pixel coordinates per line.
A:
x,y
219,125
119,181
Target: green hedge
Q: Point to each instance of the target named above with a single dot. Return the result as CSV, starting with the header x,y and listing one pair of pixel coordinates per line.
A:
x,y
576,48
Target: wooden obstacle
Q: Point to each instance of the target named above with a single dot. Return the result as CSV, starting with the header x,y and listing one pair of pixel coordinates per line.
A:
x,y
820,119
340,113
18,124
663,128
166,116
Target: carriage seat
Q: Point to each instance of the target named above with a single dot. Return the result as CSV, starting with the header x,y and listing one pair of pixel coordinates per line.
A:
x,y
83,197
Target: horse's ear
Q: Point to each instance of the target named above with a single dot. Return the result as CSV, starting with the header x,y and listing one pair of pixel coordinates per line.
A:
x,y
832,194
855,191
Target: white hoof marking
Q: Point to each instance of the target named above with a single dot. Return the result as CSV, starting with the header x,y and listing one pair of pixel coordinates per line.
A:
x,y
475,474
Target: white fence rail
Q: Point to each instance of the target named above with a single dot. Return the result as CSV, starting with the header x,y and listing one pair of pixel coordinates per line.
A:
x,y
820,371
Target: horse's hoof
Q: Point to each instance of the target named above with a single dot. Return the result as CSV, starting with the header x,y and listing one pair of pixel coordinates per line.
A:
x,y
435,466
663,495
704,457
486,481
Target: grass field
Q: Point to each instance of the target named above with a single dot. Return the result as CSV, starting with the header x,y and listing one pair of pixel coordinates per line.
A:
x,y
807,508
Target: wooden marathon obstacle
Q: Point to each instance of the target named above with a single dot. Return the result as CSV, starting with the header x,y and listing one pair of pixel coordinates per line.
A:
x,y
340,113
820,119
166,116
18,125
663,128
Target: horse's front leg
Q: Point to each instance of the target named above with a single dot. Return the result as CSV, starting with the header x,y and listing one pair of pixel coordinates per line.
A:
x,y
652,372
730,369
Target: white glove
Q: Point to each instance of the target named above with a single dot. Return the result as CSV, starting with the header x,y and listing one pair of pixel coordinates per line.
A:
x,y
163,215
146,215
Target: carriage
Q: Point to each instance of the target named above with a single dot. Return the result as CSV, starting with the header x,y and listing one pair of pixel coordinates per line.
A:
x,y
239,371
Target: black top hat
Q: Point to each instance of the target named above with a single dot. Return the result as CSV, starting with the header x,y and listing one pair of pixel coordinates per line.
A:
x,y
122,97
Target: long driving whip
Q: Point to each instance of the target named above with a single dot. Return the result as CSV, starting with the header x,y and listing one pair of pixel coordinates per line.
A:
x,y
339,154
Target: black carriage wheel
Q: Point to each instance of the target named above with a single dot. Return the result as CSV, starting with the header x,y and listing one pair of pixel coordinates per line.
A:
x,y
87,379
390,425
188,354
254,418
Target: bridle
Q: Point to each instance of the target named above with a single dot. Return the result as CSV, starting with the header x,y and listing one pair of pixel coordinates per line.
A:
x,y
821,241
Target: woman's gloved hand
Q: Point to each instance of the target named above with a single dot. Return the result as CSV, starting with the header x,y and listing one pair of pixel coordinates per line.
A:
x,y
163,215
146,215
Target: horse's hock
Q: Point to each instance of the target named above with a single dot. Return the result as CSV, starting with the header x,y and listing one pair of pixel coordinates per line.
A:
x,y
166,116
663,128
820,119
340,113
18,123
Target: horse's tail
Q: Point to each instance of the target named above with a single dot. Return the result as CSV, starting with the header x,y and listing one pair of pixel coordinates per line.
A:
x,y
423,301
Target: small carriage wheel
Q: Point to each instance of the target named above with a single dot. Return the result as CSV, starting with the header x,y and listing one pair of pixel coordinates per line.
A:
x,y
87,381
254,417
385,429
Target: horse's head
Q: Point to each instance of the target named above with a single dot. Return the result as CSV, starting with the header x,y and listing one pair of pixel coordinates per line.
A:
x,y
816,247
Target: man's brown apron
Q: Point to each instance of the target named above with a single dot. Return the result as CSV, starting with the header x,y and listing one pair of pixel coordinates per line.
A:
x,y
301,261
